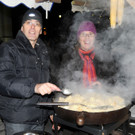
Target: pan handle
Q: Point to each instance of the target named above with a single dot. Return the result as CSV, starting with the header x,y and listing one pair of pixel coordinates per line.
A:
x,y
80,119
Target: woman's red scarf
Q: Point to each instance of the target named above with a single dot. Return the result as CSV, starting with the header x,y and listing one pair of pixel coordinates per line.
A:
x,y
89,72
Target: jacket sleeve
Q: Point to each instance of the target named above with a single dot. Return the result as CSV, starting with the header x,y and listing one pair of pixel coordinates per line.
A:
x,y
10,84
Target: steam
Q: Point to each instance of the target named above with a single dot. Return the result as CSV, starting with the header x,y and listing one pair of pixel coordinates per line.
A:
x,y
112,45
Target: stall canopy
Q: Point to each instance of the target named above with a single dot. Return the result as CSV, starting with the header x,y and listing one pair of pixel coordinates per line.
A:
x,y
46,5
116,6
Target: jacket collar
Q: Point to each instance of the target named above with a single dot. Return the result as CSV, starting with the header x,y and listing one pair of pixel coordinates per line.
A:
x,y
21,37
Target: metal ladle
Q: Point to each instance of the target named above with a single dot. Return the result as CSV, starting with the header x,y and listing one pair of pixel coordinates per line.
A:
x,y
65,92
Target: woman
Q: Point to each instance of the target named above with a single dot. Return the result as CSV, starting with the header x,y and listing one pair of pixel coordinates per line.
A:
x,y
79,64
86,38
82,65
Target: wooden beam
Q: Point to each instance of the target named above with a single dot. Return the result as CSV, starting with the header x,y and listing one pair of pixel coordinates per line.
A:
x,y
55,1
38,1
79,3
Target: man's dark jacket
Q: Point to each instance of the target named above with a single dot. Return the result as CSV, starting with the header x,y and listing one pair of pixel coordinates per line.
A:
x,y
21,68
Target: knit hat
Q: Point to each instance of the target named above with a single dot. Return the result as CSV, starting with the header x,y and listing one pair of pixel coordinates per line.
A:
x,y
32,14
86,26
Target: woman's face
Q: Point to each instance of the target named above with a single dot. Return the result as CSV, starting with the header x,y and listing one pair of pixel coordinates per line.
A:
x,y
86,40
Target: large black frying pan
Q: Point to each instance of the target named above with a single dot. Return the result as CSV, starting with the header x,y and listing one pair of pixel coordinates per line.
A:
x,y
89,118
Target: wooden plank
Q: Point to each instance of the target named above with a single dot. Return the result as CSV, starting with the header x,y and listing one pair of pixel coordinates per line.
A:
x,y
38,1
113,13
79,3
120,11
55,1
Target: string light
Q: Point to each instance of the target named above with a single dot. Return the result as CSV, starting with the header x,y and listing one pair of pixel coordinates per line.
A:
x,y
60,16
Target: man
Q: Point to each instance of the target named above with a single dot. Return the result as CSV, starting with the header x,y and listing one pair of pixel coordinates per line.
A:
x,y
24,78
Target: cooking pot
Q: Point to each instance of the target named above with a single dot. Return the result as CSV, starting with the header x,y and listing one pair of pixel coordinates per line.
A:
x,y
91,118
32,133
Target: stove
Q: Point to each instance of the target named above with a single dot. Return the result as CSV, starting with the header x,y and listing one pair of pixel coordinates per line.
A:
x,y
105,129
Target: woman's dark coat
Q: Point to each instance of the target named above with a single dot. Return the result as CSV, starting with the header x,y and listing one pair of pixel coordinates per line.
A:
x,y
72,68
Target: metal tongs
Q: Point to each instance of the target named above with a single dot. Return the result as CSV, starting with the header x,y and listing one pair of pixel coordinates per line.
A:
x,y
53,103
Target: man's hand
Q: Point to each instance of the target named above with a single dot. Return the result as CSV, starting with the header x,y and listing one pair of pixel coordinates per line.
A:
x,y
45,88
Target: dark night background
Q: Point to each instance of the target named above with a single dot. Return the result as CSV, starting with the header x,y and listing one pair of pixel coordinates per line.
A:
x,y
51,23
59,35
55,25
